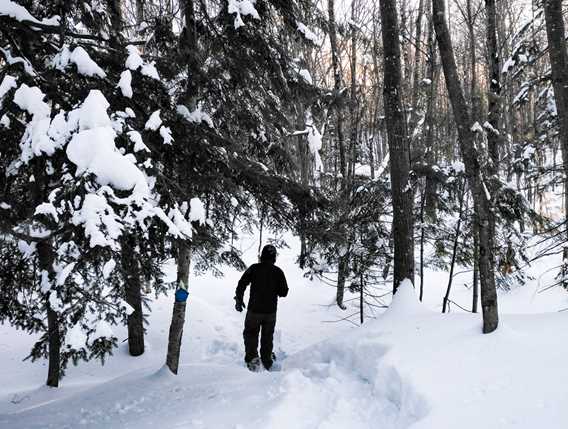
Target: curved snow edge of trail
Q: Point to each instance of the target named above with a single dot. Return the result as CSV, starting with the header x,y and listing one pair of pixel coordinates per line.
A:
x,y
349,381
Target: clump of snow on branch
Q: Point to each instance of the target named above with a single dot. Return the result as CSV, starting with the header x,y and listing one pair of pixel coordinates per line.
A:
x,y
197,116
308,34
85,64
8,83
154,122
134,62
197,212
136,138
476,128
125,83
102,226
242,8
10,59
92,149
35,140
314,142
305,74
166,134
20,13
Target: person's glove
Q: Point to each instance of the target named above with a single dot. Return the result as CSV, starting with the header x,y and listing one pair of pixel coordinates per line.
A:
x,y
239,304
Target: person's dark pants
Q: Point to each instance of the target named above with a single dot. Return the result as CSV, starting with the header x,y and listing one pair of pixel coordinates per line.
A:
x,y
264,324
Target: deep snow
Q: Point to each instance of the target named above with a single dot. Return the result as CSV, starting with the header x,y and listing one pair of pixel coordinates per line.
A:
x,y
410,367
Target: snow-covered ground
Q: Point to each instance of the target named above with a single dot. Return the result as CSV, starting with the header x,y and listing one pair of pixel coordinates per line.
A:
x,y
410,367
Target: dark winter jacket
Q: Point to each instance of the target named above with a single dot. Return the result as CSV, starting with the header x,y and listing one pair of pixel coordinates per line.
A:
x,y
267,284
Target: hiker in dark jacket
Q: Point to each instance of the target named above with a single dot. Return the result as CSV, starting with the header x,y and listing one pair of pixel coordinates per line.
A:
x,y
267,284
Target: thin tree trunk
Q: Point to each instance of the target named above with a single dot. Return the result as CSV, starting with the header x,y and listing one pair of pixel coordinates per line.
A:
x,y
361,299
399,148
46,257
178,314
475,99
337,87
494,88
559,66
190,97
133,291
454,252
475,268
475,180
343,260
116,21
353,96
431,198
422,238
139,12
416,75
342,273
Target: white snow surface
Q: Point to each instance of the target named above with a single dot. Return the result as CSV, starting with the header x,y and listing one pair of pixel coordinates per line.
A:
x,y
410,367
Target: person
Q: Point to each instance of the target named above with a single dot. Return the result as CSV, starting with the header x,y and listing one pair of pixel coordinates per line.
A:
x,y
268,282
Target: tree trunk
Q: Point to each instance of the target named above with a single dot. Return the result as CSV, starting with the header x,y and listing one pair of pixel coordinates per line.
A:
x,y
416,74
431,198
116,22
353,97
475,269
454,252
342,273
494,89
133,288
422,238
46,257
475,180
399,148
190,98
559,66
337,88
139,12
178,315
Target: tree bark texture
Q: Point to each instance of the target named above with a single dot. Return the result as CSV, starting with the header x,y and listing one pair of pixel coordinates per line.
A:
x,y
133,290
337,88
178,314
431,197
399,148
494,88
46,257
559,66
482,209
342,273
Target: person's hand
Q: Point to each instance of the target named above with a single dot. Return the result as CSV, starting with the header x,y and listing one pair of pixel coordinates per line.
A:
x,y
239,304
